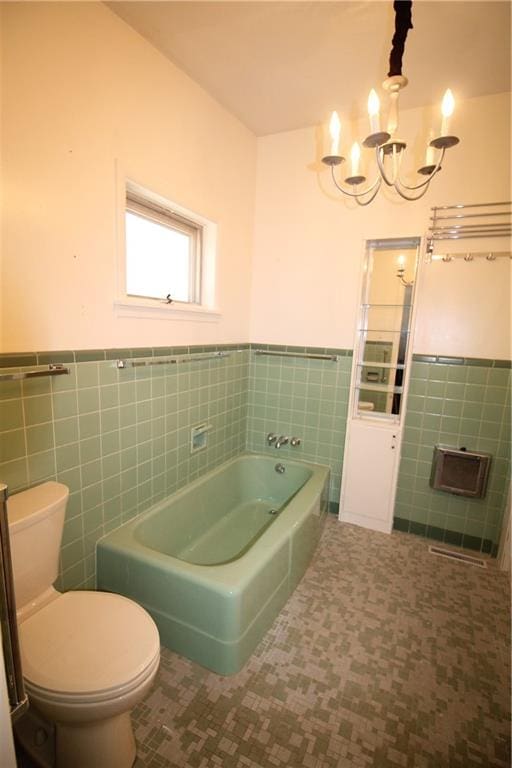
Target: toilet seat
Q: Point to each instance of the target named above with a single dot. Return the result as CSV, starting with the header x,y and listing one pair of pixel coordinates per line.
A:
x,y
88,647
50,696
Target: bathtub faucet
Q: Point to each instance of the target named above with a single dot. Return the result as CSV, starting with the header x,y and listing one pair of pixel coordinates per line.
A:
x,y
283,440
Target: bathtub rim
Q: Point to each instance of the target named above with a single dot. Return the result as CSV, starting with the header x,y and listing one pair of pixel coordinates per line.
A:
x,y
233,576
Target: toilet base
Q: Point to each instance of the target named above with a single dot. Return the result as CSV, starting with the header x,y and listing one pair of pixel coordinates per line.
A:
x,y
107,743
35,739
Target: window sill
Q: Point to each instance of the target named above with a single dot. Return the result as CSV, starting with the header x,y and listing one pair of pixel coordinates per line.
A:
x,y
148,309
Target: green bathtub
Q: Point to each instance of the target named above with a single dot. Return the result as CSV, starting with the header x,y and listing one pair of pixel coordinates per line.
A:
x,y
215,562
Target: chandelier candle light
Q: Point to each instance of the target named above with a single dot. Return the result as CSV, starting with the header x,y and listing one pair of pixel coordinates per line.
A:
x,y
400,272
390,151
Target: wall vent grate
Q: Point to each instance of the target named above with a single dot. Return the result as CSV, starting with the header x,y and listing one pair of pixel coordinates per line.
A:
x,y
459,471
460,556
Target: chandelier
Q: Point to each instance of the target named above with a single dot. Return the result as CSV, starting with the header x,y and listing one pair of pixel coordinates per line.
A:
x,y
389,150
400,273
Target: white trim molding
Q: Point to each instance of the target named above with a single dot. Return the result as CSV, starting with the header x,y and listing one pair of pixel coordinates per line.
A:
x,y
146,308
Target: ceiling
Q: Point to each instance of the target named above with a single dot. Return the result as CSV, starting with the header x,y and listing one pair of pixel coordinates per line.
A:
x,y
279,66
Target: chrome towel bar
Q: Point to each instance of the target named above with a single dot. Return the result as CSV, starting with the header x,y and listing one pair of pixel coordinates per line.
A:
x,y
307,355
52,370
172,360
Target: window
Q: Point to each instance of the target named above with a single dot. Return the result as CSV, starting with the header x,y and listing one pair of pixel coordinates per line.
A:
x,y
163,253
166,259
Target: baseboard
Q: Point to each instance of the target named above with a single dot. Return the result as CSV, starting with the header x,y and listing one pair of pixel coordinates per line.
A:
x,y
455,538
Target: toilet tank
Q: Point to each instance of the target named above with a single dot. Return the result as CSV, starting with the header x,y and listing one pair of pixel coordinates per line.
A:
x,y
36,521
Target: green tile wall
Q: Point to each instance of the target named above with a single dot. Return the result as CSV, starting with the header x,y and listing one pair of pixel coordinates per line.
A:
x,y
458,403
303,398
119,439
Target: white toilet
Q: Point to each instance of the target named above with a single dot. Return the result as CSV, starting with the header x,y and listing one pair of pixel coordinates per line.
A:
x,y
87,657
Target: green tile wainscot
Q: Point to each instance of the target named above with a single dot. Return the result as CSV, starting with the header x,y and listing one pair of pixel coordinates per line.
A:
x,y
458,402
119,438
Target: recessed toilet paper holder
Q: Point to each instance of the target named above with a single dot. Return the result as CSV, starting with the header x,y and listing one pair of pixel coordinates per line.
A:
x,y
199,437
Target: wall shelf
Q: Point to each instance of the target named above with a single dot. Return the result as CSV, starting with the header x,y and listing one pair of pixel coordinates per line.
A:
x,y
388,388
376,364
384,306
380,330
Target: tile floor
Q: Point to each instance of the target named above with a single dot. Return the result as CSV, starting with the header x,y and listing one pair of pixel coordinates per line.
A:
x,y
384,656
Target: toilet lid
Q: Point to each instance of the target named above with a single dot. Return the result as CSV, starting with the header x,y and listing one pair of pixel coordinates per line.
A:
x,y
87,642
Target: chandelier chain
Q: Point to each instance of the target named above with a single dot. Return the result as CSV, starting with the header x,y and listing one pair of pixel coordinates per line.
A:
x,y
403,23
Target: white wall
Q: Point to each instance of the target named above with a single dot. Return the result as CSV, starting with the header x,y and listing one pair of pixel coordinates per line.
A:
x,y
81,92
464,309
7,757
309,242
1,177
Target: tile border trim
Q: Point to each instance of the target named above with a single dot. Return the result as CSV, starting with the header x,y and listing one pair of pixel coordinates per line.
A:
x,y
472,361
333,508
24,359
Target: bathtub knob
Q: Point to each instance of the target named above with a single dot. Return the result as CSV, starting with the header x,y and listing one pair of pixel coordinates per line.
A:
x,y
271,438
295,441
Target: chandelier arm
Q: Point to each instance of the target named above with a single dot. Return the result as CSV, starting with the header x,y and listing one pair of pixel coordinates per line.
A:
x,y
409,197
367,202
382,169
427,182
354,194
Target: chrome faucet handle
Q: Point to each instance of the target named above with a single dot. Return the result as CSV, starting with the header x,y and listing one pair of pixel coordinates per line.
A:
x,y
295,441
283,440
271,438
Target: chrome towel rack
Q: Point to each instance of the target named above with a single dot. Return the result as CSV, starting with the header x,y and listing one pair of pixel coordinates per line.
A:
x,y
52,370
171,360
469,222
307,355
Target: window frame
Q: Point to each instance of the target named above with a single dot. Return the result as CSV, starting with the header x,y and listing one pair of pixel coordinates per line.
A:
x,y
168,218
150,205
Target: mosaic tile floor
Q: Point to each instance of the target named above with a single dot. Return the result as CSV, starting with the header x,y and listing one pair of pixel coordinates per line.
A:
x,y
384,656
